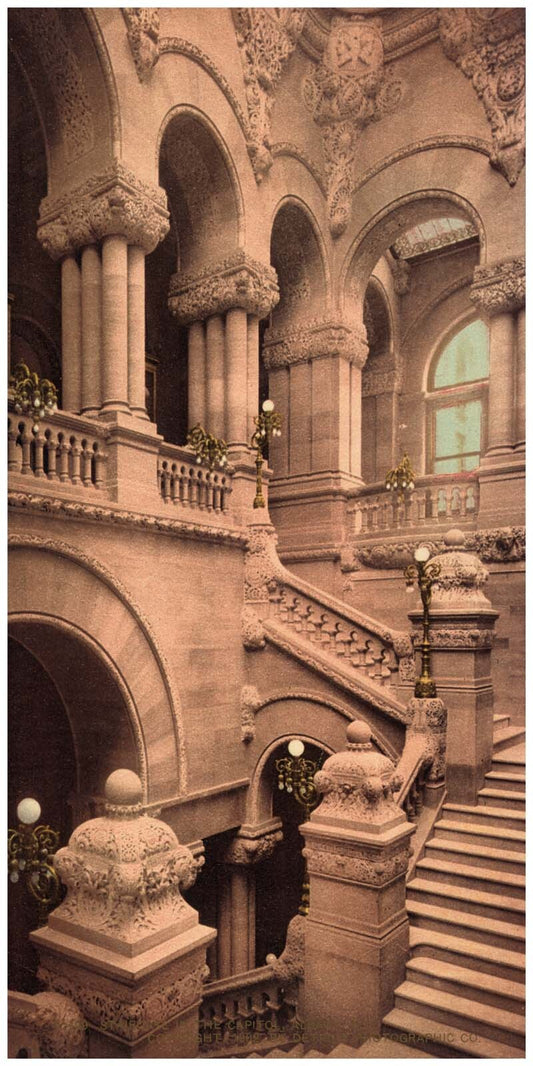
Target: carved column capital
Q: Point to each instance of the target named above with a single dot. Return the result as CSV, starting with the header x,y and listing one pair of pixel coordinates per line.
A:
x,y
237,281
488,46
253,845
501,287
266,38
345,91
320,337
143,37
112,203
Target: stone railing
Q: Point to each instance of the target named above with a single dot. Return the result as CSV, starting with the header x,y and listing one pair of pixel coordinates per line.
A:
x,y
187,484
47,1025
437,499
246,1012
62,448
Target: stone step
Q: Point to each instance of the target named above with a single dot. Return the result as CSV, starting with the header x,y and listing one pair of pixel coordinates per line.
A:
x,y
506,839
451,1044
508,737
476,1018
513,862
507,781
512,761
499,817
496,881
501,721
484,958
472,926
499,797
467,900
462,981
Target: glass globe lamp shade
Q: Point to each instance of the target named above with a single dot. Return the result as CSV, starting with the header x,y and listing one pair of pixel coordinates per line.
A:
x,y
28,811
296,748
268,406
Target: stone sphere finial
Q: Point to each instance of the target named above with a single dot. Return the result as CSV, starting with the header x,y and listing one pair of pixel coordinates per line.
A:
x,y
123,788
454,538
359,735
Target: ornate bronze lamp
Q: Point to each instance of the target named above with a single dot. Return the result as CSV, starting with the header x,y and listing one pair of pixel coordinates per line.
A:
x,y
268,424
32,395
30,852
209,449
401,478
296,775
425,573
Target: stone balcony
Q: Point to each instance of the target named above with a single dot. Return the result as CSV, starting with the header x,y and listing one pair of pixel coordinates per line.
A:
x,y
437,500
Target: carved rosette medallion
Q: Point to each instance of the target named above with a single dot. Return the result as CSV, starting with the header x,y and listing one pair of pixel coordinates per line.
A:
x,y
143,37
113,203
319,338
344,92
266,38
238,281
501,288
488,46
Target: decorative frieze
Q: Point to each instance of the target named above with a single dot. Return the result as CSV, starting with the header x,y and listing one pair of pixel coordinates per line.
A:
x,y
319,337
346,91
458,637
488,46
500,288
237,281
143,37
367,866
267,38
490,545
248,849
250,704
112,203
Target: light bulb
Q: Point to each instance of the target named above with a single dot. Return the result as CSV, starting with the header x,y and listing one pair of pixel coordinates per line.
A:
x,y
37,401
388,486
268,406
410,588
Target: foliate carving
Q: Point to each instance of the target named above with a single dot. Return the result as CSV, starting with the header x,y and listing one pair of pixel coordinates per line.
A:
x,y
498,545
263,571
367,866
131,1016
123,874
460,637
112,203
491,545
267,38
250,703
143,37
500,288
247,850
429,717
462,575
252,631
345,91
358,784
318,338
488,46
238,281
45,28
289,966
57,1023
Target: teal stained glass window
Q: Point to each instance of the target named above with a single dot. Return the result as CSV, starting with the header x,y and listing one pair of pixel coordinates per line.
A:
x,y
457,416
465,357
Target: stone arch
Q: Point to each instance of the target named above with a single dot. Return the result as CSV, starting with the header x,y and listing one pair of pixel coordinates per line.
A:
x,y
299,258
52,580
203,189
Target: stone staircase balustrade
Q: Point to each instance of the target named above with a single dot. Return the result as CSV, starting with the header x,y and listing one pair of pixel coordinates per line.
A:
x,y
187,484
247,1011
60,449
439,498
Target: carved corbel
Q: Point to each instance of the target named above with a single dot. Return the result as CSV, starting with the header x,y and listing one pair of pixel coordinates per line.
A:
x,y
247,849
143,37
488,46
318,338
500,288
237,281
250,704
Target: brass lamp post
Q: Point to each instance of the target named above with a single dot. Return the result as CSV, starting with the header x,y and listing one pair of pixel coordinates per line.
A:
x,y
32,395
30,852
209,449
268,424
425,573
296,775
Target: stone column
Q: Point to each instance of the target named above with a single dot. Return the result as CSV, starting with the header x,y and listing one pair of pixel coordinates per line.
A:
x,y
461,634
71,346
253,844
215,375
252,374
236,376
356,932
114,324
91,331
136,332
124,944
197,375
520,396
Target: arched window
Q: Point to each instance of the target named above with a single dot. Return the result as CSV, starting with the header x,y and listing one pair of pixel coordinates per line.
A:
x,y
457,398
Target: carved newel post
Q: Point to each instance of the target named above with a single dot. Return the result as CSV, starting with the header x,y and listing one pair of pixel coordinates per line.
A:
x,y
356,936
124,944
462,632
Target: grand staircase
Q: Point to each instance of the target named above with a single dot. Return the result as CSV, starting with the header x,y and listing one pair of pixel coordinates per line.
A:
x,y
464,995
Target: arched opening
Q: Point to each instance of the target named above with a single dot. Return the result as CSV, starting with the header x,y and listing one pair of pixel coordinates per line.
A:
x,y
296,256
378,414
204,229
456,400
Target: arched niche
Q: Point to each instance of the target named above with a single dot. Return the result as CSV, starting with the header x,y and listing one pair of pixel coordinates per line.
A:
x,y
73,600
297,256
378,426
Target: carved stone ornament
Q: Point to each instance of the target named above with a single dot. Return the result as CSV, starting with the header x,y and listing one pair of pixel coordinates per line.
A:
x,y
503,545
267,38
461,637
318,338
143,37
238,281
123,874
380,382
247,850
252,632
500,288
429,717
461,578
57,1023
364,865
263,571
358,785
112,203
488,46
401,276
250,703
345,91
289,966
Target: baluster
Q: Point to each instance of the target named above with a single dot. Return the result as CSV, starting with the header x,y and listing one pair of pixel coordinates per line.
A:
x,y
165,482
86,463
371,658
342,638
354,649
51,455
26,439
217,493
99,459
183,484
328,630
298,615
224,495
13,454
193,487
159,478
209,492
38,448
172,483
75,452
